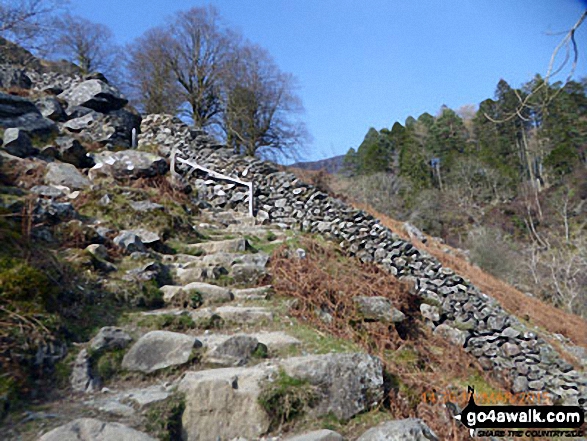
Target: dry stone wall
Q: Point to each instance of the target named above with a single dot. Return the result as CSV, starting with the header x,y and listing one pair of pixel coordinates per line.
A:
x,y
455,308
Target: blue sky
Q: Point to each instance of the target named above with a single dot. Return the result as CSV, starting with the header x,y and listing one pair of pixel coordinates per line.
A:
x,y
362,64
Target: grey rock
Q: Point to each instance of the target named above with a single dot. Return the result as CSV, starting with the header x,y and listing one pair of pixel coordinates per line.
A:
x,y
410,429
510,349
109,338
129,242
235,351
71,151
50,108
317,435
235,314
18,143
98,250
128,164
147,237
224,404
84,122
49,191
259,293
348,383
520,385
20,113
52,212
510,333
247,273
451,334
146,206
59,173
222,246
536,385
209,293
94,94
89,429
11,76
158,350
81,379
378,309
414,232
430,312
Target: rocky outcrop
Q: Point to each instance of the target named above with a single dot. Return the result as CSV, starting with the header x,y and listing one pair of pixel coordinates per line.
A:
x,y
95,95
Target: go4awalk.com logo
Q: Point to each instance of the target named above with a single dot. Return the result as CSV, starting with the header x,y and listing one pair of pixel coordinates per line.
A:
x,y
514,421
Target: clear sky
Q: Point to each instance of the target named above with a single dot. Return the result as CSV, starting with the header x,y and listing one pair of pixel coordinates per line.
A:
x,y
369,63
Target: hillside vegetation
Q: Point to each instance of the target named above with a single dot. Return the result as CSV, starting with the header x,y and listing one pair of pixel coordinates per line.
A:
x,y
505,180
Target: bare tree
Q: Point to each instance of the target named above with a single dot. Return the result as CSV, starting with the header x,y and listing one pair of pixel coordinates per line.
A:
x,y
89,45
260,106
27,22
152,85
197,52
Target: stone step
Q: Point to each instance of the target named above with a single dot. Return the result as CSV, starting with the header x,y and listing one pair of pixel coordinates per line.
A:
x,y
224,403
127,402
196,294
221,246
234,314
259,293
274,341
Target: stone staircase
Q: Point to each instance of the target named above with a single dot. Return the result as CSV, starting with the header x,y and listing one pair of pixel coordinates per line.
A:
x,y
217,354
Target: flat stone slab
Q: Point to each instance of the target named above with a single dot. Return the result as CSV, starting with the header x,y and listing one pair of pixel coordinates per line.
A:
x,y
221,246
259,293
90,429
317,435
158,350
274,341
235,314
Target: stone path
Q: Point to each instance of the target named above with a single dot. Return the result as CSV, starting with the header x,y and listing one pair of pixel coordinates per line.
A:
x,y
222,371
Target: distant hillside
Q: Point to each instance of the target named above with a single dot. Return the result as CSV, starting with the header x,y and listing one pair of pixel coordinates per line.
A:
x,y
331,165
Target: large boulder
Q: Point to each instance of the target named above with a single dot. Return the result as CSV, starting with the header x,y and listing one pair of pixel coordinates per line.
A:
x,y
128,164
349,383
11,76
94,94
410,429
158,350
59,173
22,114
223,404
109,338
89,429
18,143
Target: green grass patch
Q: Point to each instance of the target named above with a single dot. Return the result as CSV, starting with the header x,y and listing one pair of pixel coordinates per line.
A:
x,y
286,399
164,418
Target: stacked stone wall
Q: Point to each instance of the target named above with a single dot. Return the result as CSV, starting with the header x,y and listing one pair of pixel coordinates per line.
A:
x,y
452,305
